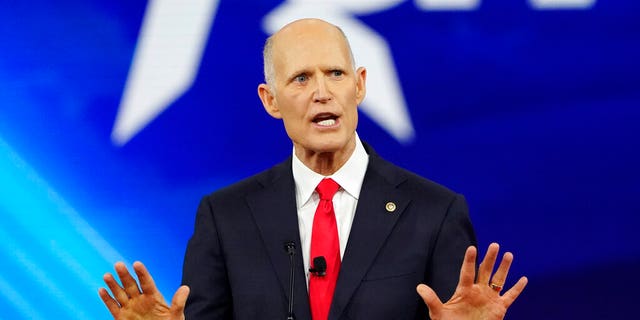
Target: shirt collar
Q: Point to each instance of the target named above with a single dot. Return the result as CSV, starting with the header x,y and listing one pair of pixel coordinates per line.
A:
x,y
349,176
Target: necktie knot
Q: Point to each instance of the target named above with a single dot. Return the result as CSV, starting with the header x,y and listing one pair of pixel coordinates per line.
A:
x,y
327,188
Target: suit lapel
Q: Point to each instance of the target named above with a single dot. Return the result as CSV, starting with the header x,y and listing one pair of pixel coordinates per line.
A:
x,y
275,213
371,226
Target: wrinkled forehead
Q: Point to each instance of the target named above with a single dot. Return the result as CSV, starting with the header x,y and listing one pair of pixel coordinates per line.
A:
x,y
307,45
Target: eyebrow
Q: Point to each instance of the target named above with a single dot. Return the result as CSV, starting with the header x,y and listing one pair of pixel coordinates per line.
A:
x,y
308,70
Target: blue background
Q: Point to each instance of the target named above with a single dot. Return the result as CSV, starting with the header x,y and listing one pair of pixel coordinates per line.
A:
x,y
533,115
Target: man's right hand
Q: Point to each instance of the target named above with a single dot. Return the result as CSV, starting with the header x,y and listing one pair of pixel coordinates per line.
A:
x,y
144,302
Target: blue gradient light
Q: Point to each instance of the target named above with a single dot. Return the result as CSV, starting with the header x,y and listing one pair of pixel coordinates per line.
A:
x,y
58,257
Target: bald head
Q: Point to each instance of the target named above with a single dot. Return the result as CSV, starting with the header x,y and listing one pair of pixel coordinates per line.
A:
x,y
297,32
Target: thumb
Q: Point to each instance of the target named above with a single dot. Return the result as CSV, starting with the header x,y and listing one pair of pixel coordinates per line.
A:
x,y
178,302
431,299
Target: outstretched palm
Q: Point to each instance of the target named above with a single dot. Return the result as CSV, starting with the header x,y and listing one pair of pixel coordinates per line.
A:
x,y
480,299
144,302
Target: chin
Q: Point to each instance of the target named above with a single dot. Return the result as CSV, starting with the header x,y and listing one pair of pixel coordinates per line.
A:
x,y
327,145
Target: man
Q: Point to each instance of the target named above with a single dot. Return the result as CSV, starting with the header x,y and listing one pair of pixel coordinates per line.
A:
x,y
383,230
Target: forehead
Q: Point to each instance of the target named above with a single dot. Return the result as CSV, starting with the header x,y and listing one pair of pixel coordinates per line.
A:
x,y
308,46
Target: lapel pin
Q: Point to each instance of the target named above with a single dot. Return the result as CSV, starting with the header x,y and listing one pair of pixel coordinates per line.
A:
x,y
390,206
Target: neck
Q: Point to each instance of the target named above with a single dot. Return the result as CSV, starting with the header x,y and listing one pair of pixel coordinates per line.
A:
x,y
328,162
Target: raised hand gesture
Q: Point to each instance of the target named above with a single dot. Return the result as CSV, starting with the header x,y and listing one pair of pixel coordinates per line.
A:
x,y
479,299
143,302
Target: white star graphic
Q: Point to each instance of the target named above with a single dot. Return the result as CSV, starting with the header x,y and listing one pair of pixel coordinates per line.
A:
x,y
174,35
166,61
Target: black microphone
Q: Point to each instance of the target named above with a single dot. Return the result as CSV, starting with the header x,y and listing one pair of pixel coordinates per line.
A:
x,y
290,247
319,266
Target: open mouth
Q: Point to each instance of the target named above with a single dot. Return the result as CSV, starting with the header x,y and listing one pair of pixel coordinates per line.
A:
x,y
325,119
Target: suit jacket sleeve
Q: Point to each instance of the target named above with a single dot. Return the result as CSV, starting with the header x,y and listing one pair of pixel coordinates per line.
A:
x,y
204,270
455,235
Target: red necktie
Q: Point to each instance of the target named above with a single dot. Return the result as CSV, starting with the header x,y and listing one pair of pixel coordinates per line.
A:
x,y
324,242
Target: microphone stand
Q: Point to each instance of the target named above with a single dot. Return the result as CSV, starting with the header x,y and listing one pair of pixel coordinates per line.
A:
x,y
291,251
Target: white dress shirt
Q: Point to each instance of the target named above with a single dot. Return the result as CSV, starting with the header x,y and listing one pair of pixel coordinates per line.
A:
x,y
349,177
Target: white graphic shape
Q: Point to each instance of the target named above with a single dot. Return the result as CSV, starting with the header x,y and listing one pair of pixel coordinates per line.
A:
x,y
384,102
174,34
448,4
166,61
562,4
347,6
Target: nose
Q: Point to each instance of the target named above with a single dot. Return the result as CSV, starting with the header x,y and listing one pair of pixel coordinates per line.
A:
x,y
322,93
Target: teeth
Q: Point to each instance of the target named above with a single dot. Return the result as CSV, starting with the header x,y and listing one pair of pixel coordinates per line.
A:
x,y
327,123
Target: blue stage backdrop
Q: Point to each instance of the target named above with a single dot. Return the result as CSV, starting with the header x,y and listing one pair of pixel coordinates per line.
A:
x,y
116,117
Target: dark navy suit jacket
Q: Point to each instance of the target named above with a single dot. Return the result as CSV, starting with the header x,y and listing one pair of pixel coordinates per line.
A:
x,y
237,266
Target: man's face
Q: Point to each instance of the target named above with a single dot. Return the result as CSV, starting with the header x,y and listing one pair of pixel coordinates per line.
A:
x,y
316,89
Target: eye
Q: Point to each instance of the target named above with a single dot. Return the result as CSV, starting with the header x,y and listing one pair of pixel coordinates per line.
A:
x,y
301,78
337,73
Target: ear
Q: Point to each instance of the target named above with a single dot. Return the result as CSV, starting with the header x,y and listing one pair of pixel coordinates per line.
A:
x,y
361,84
269,101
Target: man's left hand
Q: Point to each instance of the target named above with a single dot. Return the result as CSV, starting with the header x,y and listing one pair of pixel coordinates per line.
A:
x,y
480,299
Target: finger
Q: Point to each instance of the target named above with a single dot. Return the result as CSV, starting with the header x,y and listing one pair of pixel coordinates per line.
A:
x,y
500,277
128,282
431,299
146,281
118,292
510,296
468,268
489,261
109,302
179,301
